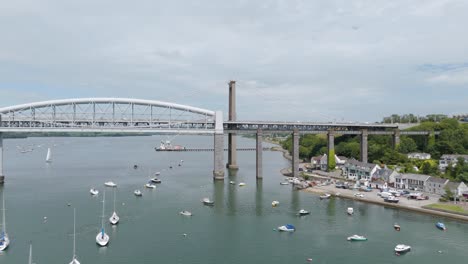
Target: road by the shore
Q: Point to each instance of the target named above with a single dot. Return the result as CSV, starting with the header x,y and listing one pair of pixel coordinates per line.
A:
x,y
372,197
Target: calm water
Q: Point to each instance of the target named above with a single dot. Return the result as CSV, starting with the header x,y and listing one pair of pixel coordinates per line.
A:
x,y
238,229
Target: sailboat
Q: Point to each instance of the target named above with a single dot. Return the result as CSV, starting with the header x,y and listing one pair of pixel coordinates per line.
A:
x,y
30,254
114,219
74,260
102,239
49,156
4,240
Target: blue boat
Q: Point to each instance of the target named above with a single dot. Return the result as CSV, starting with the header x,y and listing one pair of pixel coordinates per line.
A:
x,y
441,226
287,228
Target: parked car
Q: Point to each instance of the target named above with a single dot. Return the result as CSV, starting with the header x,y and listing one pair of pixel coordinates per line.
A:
x,y
360,195
384,194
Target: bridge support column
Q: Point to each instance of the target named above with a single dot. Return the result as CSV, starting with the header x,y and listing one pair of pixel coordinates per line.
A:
x,y
331,150
396,138
295,153
232,140
218,148
364,134
259,156
2,176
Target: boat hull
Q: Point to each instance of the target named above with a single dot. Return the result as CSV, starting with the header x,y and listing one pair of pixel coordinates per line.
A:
x,y
102,240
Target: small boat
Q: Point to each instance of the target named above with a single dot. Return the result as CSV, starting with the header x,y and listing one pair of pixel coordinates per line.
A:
x,y
399,249
284,183
274,203
49,156
4,239
397,227
357,238
287,228
138,193
102,239
186,213
232,182
350,211
391,199
74,260
155,180
242,184
110,184
303,212
325,196
135,166
150,185
114,219
207,201
93,191
157,173
441,226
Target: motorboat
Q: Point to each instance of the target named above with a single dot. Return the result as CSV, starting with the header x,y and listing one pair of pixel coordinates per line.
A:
x,y
4,239
284,183
399,249
287,228
357,238
186,213
150,185
350,211
93,191
441,226
325,196
155,180
242,184
303,212
397,227
114,219
232,182
110,184
167,146
391,199
74,260
138,193
102,239
207,201
274,203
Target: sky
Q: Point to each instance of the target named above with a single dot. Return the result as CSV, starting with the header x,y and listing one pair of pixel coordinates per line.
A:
x,y
293,60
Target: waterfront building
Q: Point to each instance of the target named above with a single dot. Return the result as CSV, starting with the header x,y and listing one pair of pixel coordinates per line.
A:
x,y
420,156
447,159
411,181
458,189
357,170
385,175
321,162
436,185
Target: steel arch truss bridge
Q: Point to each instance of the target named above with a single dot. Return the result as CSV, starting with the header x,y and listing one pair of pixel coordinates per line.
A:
x,y
107,115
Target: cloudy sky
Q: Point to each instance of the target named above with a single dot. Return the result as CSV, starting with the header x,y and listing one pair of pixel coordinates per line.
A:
x,y
305,60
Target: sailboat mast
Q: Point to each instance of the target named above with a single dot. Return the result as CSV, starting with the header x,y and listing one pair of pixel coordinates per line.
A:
x,y
4,222
74,232
30,253
114,199
103,201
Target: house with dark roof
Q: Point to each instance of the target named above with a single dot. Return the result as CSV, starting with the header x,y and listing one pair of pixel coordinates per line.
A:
x,y
321,162
357,170
458,188
435,185
411,181
447,159
385,175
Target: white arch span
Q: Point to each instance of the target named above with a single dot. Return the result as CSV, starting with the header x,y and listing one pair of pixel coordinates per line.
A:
x,y
61,102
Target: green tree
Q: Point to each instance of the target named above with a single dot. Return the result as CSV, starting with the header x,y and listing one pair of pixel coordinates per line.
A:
x,y
429,167
407,145
331,160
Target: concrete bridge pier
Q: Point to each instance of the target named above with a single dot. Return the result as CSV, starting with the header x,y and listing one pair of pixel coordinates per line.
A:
x,y
396,138
295,153
259,154
2,176
364,134
218,148
331,147
232,140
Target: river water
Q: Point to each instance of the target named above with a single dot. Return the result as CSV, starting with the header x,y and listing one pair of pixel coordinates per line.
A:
x,y
239,228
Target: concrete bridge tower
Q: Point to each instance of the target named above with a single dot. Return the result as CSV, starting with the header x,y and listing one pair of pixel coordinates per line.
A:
x,y
232,140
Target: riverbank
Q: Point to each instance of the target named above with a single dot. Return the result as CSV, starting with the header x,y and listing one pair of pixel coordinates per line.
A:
x,y
419,206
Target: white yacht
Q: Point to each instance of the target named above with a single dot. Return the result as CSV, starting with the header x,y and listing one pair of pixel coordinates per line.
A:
x,y
74,259
401,248
186,213
114,219
93,191
102,239
207,201
303,212
350,211
150,185
242,184
4,239
274,203
110,184
138,193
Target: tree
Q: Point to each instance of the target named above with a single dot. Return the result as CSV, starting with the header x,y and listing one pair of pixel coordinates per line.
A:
x,y
429,167
331,162
407,145
448,193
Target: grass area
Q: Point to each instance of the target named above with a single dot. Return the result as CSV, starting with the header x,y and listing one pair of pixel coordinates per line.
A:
x,y
448,207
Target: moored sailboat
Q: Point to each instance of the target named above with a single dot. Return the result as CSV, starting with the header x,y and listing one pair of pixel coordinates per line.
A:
x,y
4,239
114,219
74,259
49,156
102,239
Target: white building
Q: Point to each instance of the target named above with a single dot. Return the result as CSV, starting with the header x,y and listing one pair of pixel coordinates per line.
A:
x,y
411,181
421,156
356,170
447,159
321,162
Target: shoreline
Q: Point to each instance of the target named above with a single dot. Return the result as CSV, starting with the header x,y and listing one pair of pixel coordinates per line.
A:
x,y
319,191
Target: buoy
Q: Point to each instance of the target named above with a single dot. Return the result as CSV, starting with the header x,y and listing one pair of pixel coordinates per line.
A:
x,y
69,204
